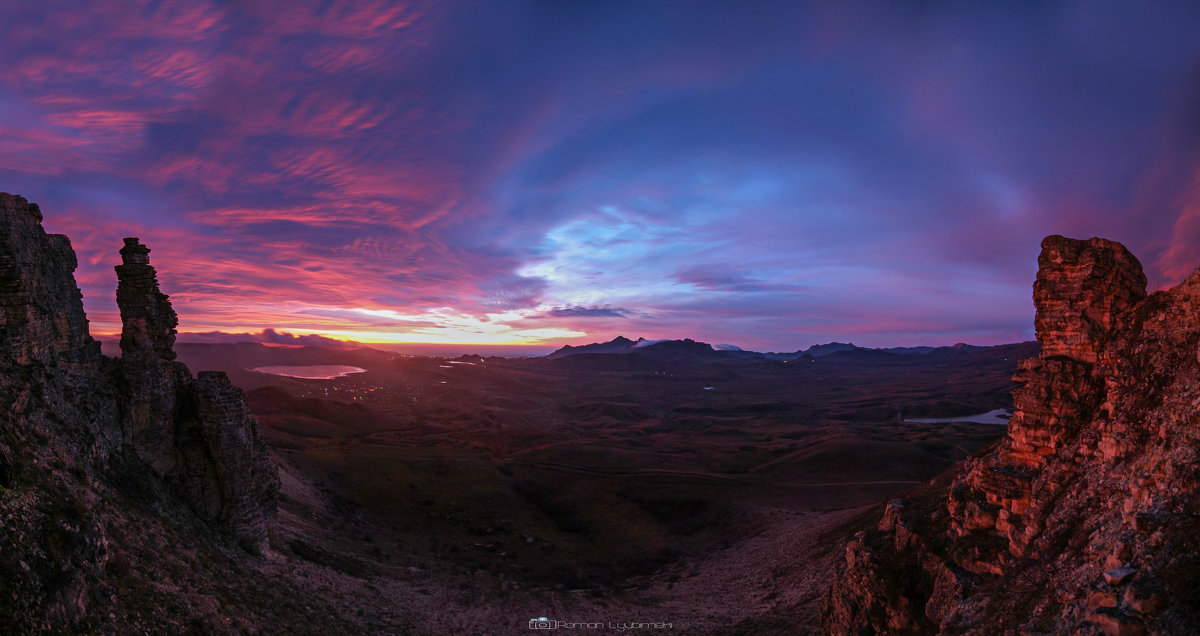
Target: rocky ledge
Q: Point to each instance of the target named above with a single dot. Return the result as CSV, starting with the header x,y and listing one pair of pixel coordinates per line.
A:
x,y
81,431
1085,518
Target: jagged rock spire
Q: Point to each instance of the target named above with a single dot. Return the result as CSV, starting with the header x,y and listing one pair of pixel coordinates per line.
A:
x,y
198,435
147,320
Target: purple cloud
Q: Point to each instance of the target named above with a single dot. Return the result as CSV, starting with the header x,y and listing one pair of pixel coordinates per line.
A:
x,y
770,176
267,336
587,312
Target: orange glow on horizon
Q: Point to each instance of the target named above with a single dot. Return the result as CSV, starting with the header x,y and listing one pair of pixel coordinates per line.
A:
x,y
380,337
438,326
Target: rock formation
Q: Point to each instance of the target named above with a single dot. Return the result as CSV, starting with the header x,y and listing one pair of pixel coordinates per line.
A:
x,y
239,490
1086,518
147,320
80,428
197,434
41,309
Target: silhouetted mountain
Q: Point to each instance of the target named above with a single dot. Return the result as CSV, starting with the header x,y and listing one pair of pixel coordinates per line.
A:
x,y
826,349
860,353
669,351
909,350
686,349
620,344
813,351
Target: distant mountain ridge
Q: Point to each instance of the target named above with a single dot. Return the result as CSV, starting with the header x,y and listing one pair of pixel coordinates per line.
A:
x,y
691,348
620,344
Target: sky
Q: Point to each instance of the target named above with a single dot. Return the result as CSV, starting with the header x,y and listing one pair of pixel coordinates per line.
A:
x,y
764,174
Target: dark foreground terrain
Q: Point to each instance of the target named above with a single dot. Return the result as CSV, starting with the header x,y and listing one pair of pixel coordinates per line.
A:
x,y
678,484
657,484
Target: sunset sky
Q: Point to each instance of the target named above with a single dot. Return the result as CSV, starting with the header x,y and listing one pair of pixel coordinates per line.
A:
x,y
769,175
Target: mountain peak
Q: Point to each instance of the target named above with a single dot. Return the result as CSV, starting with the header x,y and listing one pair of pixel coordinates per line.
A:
x,y
828,348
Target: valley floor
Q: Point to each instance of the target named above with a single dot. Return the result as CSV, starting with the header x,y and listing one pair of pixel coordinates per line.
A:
x,y
421,497
769,583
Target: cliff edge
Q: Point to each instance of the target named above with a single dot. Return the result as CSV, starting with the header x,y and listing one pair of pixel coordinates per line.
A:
x,y
1085,519
90,444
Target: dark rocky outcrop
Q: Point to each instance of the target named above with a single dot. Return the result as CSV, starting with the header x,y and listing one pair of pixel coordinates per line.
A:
x,y
147,320
196,434
79,430
1085,519
246,481
41,308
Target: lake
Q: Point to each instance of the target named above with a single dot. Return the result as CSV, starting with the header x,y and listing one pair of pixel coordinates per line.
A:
x,y
998,416
311,371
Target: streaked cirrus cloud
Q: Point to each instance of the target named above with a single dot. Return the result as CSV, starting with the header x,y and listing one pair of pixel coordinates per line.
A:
x,y
770,175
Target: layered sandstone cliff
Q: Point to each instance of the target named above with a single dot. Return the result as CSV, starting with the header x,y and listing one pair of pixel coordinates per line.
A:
x,y
79,430
1086,518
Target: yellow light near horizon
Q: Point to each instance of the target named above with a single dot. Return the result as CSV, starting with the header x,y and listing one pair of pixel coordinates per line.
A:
x,y
454,328
524,337
442,326
531,337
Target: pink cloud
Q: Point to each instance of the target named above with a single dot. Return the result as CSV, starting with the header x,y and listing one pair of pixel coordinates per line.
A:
x,y
292,162
1182,255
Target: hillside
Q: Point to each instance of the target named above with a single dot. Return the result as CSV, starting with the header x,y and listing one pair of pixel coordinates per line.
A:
x,y
673,482
103,459
1085,519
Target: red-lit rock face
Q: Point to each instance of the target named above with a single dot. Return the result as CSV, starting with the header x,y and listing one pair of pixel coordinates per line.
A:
x,y
1082,288
1085,518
